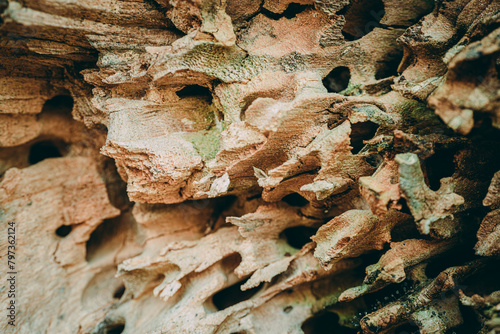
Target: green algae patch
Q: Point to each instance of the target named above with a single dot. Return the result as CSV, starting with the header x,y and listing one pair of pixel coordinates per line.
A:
x,y
352,90
206,142
419,119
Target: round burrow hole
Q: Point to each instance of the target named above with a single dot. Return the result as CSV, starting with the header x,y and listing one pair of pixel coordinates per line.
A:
x,y
111,326
195,91
337,80
43,150
438,166
233,295
59,104
325,323
298,236
295,199
119,292
64,230
116,329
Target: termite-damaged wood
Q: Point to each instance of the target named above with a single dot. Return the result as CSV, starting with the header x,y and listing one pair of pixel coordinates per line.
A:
x,y
251,167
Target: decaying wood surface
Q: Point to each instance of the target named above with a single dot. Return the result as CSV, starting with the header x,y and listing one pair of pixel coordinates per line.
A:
x,y
244,166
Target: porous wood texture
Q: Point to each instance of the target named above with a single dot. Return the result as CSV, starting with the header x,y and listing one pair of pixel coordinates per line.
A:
x,y
245,166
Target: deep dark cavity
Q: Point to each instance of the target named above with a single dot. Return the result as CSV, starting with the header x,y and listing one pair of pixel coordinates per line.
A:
x,y
44,150
298,236
471,324
337,80
374,160
390,66
361,17
111,327
115,186
455,257
481,162
325,323
59,104
371,258
484,282
231,262
292,10
64,230
438,166
3,5
195,91
483,128
405,230
360,132
294,199
117,329
408,328
119,292
387,295
221,205
404,206
101,237
233,295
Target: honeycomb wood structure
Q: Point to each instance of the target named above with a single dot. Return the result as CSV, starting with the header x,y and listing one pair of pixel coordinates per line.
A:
x,y
250,166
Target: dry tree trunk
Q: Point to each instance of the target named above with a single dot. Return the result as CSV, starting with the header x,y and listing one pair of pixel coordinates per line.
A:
x,y
244,166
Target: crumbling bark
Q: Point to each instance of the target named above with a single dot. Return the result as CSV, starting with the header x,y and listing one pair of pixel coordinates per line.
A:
x,y
246,166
